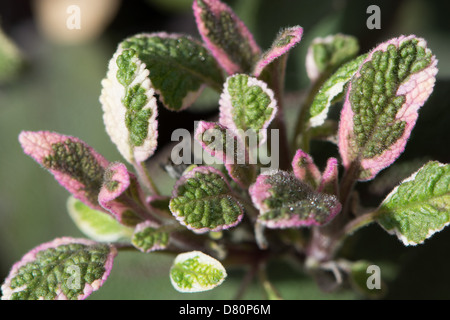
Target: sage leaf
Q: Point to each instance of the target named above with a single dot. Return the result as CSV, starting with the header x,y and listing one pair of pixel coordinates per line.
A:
x,y
63,269
419,206
196,272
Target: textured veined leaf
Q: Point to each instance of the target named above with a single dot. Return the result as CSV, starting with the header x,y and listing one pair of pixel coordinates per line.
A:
x,y
284,42
226,36
179,66
327,54
74,164
65,268
149,237
229,150
129,106
287,202
419,206
382,103
333,87
97,225
196,272
203,201
247,106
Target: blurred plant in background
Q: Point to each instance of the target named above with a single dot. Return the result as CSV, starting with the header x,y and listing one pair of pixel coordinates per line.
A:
x,y
59,92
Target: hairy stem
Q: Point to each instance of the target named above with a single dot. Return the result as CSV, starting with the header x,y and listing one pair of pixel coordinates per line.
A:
x,y
300,131
145,178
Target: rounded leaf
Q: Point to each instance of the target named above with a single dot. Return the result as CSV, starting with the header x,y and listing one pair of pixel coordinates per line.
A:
x,y
195,272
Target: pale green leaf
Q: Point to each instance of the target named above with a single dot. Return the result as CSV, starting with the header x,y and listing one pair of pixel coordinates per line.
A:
x,y
97,225
195,272
203,201
419,206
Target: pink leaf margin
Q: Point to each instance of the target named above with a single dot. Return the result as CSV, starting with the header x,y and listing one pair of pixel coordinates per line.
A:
x,y
305,169
226,107
109,199
229,161
31,256
191,174
141,227
38,145
329,179
417,88
260,191
217,7
277,51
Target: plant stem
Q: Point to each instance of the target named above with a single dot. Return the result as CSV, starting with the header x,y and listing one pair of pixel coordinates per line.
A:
x,y
277,85
357,223
300,126
326,240
271,292
146,179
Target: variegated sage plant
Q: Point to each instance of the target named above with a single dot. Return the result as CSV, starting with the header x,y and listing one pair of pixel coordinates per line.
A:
x,y
238,211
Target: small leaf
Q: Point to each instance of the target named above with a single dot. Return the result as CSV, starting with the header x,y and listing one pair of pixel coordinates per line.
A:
x,y
120,194
327,54
129,106
149,237
286,202
419,206
305,169
329,178
65,268
332,88
228,149
196,272
247,106
226,36
74,164
284,42
97,225
203,201
382,103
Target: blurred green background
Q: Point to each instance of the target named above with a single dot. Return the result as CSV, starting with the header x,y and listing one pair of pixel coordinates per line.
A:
x,y
58,90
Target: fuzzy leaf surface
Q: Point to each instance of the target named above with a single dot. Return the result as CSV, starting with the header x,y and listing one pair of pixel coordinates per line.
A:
x,y
179,66
226,36
228,149
419,206
148,237
284,42
74,164
247,106
65,268
382,103
333,87
129,106
203,201
120,194
327,54
287,202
